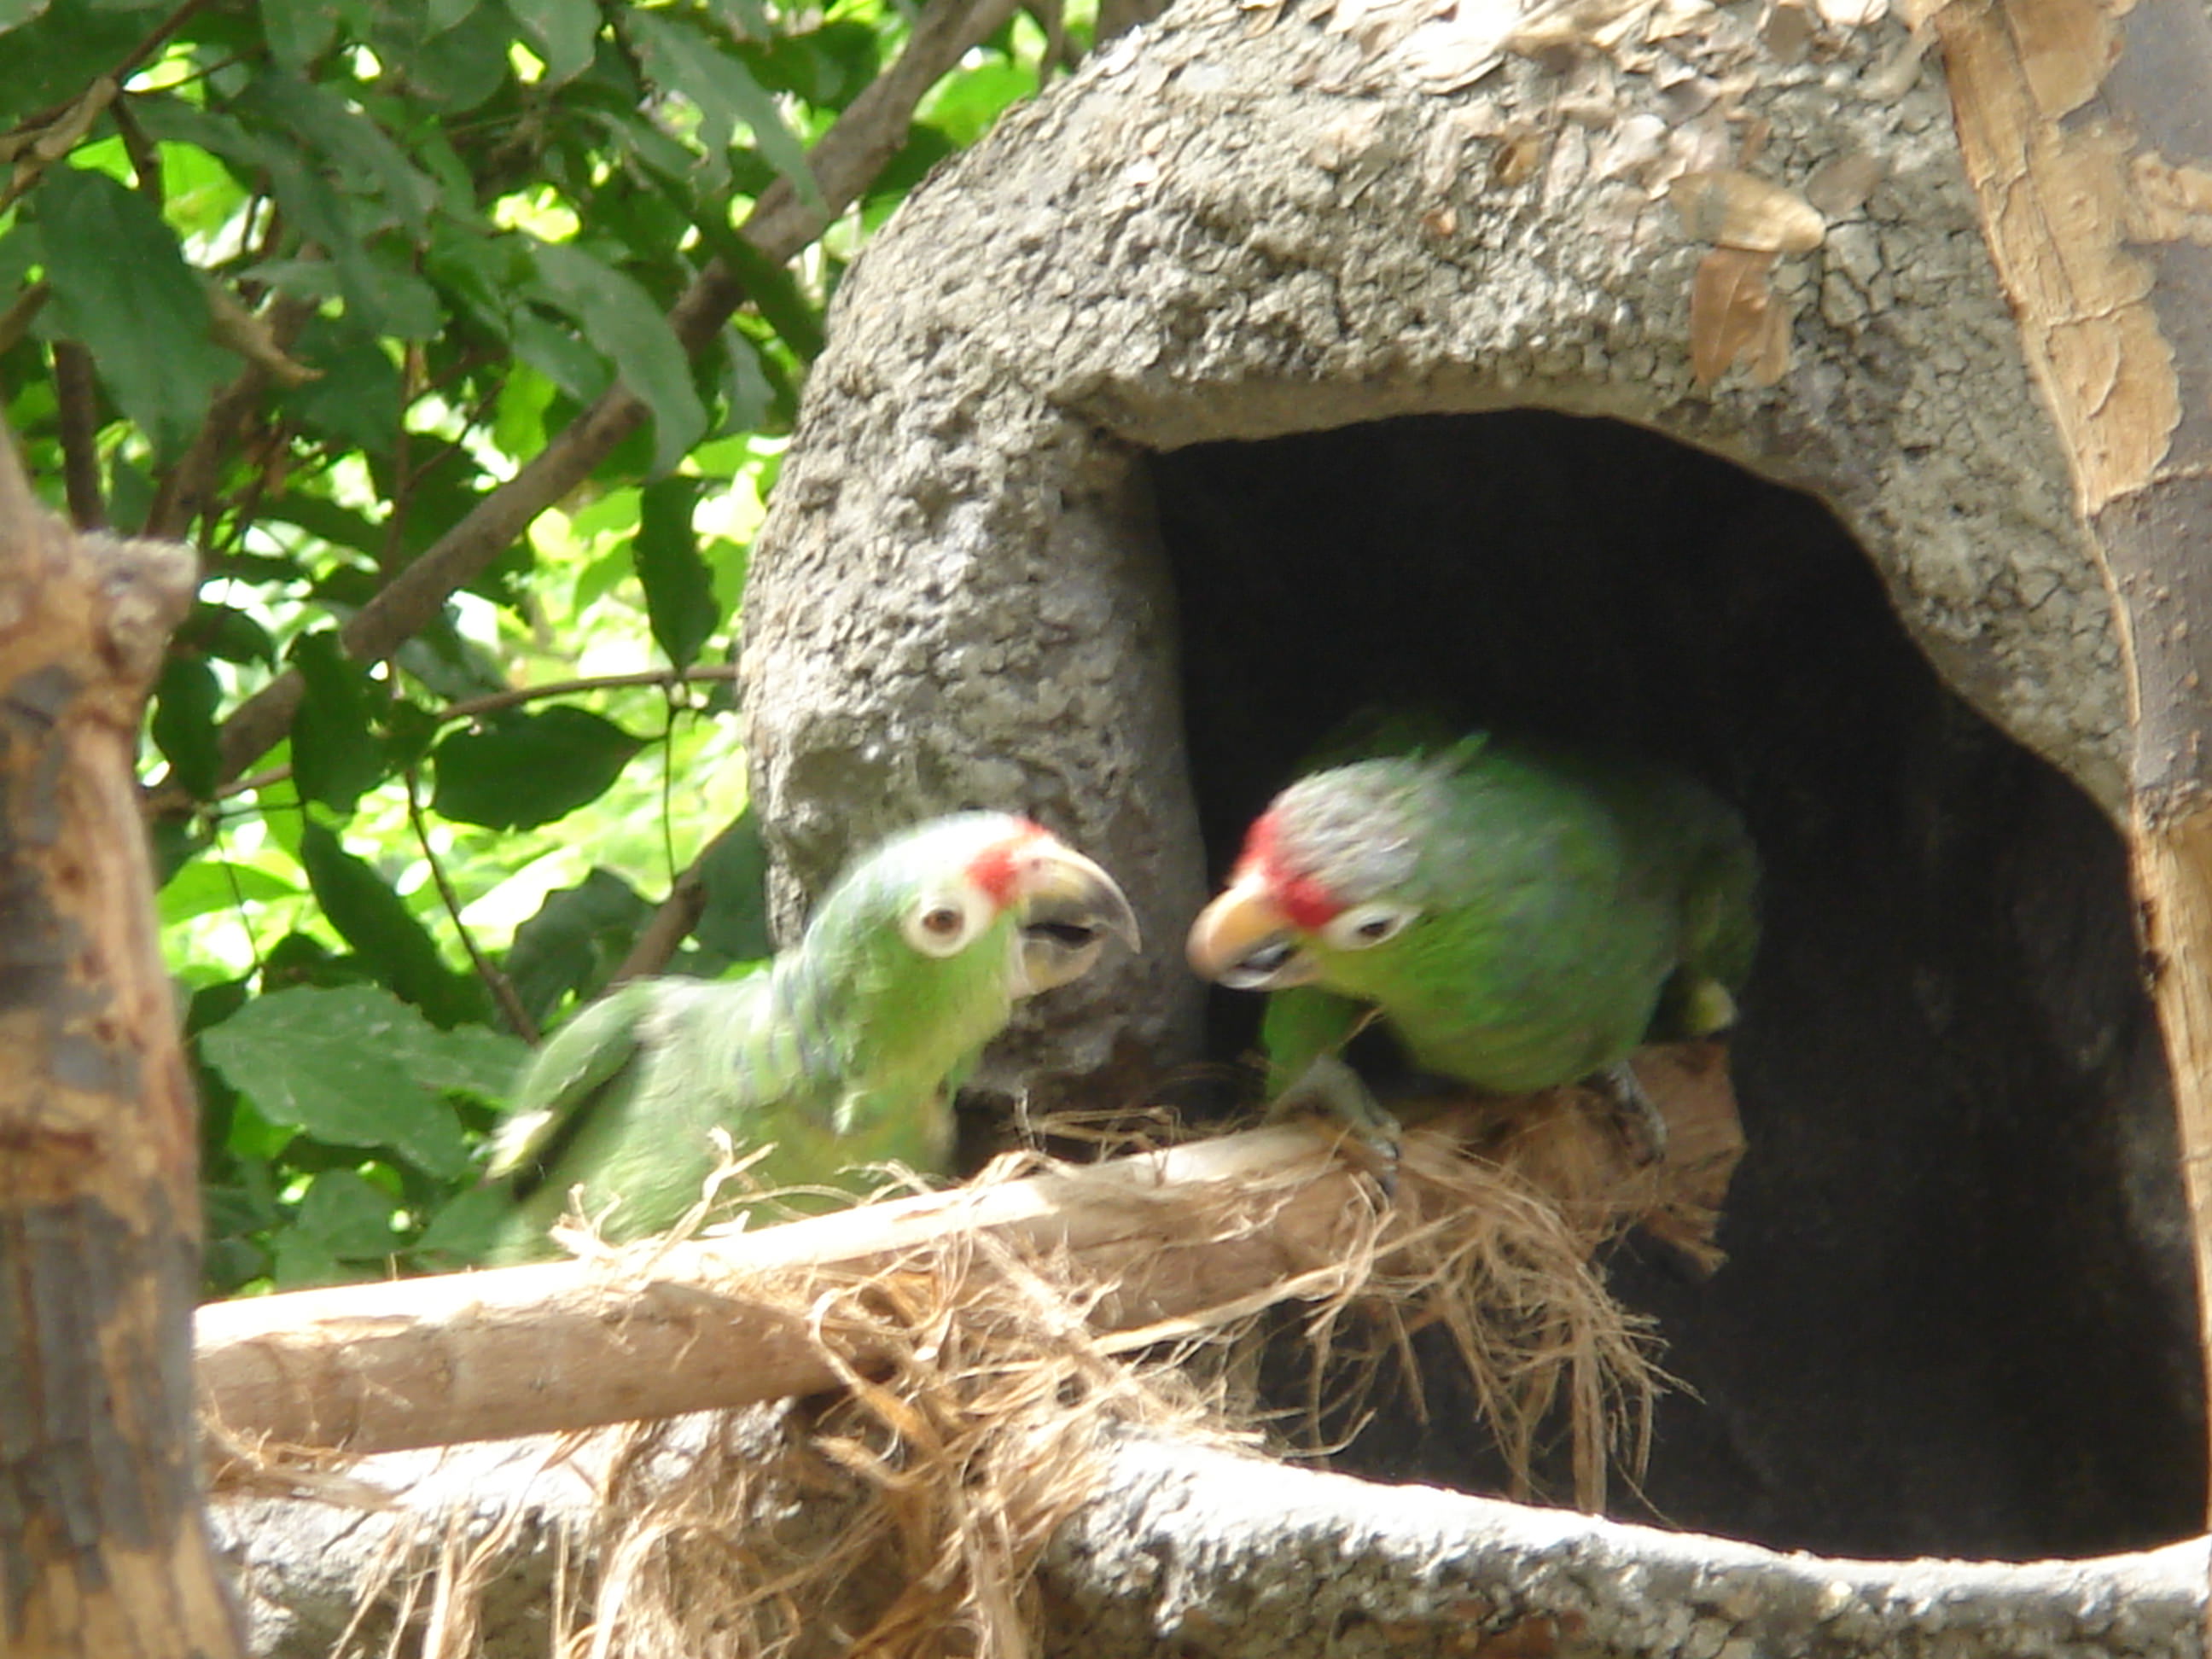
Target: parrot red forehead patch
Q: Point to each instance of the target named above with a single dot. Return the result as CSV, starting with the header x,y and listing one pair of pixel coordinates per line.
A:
x,y
1305,902
997,869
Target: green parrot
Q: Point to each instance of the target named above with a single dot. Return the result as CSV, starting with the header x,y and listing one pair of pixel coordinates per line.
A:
x,y
846,1049
1519,917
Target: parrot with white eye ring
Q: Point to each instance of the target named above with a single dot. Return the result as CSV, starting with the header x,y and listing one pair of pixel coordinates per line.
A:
x,y
846,1049
1519,917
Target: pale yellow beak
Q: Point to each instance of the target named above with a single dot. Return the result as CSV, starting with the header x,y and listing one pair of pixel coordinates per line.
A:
x,y
1243,940
1065,906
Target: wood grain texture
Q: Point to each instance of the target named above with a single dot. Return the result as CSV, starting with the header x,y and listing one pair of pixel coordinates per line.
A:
x,y
103,1546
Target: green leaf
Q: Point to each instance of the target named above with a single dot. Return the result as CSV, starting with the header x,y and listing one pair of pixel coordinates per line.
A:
x,y
206,885
298,31
475,269
829,66
679,589
322,216
121,288
473,1060
464,1232
574,941
734,871
457,68
531,768
768,284
965,104
184,729
626,327
301,1263
361,152
327,521
358,397
376,920
682,60
563,33
229,634
748,395
173,841
345,1065
348,1217
573,366
336,755
452,665
55,51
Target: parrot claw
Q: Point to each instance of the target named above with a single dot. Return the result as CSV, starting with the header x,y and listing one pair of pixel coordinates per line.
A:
x,y
1328,1088
1634,1113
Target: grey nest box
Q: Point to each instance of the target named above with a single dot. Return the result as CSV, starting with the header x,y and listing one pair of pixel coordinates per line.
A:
x,y
1286,360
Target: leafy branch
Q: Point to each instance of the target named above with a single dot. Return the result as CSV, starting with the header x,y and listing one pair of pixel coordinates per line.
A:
x,y
847,158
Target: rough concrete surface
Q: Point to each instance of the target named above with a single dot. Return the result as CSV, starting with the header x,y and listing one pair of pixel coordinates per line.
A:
x,y
1241,223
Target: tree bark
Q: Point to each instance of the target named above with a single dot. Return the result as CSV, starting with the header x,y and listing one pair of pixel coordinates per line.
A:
x,y
2082,129
103,1544
1196,1553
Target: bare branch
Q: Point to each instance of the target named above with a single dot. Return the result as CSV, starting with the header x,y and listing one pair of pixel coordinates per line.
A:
x,y
185,490
76,398
672,922
16,321
501,986
661,1330
492,702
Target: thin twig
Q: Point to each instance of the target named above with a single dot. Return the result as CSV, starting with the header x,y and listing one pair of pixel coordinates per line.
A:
x,y
16,321
76,410
147,45
492,702
668,784
501,986
184,492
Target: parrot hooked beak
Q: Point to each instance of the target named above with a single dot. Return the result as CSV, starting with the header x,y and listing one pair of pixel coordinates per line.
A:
x,y
1064,907
1243,940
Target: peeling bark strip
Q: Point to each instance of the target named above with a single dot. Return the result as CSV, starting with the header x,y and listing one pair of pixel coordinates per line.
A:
x,y
103,1546
2082,129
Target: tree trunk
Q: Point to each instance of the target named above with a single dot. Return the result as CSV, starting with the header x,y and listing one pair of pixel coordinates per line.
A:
x,y
104,1548
2082,132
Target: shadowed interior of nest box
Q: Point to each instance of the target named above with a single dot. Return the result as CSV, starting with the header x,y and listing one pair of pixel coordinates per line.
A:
x,y
1957,1315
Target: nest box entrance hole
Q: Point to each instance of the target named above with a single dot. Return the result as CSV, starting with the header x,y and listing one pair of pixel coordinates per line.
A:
x,y
1957,1315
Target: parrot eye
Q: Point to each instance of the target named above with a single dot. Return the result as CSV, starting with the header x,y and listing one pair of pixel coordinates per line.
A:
x,y
941,924
1366,926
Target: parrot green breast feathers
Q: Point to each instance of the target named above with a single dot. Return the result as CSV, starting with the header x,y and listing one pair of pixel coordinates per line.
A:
x,y
843,1050
1520,917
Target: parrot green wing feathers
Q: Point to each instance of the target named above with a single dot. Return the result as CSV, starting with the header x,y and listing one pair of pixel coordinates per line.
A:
x,y
561,1078
844,1050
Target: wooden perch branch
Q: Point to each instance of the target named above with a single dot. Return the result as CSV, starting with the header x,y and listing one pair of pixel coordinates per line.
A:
x,y
653,1333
